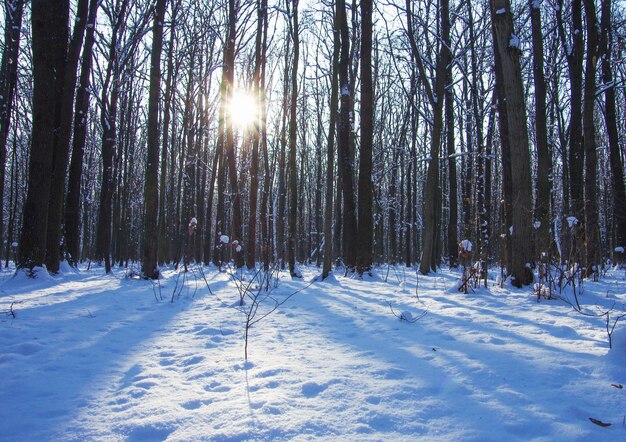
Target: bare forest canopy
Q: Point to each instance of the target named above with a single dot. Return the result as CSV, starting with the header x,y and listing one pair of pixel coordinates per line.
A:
x,y
341,133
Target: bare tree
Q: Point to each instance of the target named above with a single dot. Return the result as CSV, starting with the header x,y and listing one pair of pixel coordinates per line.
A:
x,y
507,54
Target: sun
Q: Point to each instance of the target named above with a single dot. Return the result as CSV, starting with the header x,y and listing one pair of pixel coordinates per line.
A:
x,y
243,110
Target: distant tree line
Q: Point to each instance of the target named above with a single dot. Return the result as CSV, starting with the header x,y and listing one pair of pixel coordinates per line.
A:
x,y
377,132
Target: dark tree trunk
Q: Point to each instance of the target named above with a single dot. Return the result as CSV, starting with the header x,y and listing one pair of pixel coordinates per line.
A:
x,y
8,80
574,55
151,189
293,126
507,56
432,196
592,229
281,187
330,153
254,158
344,155
610,117
229,67
108,119
61,152
164,214
366,219
49,45
452,180
544,156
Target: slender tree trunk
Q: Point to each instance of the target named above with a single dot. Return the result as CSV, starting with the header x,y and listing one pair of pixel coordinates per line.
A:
x,y
432,197
254,158
151,188
229,67
164,214
344,155
592,228
574,55
618,190
61,151
330,152
293,126
8,80
544,156
365,218
452,180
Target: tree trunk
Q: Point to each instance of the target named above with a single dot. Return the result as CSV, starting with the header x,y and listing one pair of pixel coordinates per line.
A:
x,y
61,151
592,229
293,125
8,80
151,189
507,54
544,156
574,55
432,196
330,153
164,215
452,180
345,158
366,220
617,165
49,44
254,159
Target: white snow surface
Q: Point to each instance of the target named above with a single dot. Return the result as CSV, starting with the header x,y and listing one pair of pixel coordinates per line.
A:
x,y
95,357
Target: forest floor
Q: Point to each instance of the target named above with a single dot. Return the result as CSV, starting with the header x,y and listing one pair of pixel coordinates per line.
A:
x,y
89,356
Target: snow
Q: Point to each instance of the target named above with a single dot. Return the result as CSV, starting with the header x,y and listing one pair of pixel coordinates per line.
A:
x,y
224,239
572,221
95,357
501,11
466,245
514,41
619,249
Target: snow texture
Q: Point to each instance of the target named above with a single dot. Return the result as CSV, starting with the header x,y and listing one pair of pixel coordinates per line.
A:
x,y
466,245
92,357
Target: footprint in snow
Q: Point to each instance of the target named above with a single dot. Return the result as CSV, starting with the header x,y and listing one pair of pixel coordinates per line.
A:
x,y
193,361
191,405
312,389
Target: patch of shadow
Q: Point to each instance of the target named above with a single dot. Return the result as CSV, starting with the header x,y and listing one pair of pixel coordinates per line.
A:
x,y
312,389
148,433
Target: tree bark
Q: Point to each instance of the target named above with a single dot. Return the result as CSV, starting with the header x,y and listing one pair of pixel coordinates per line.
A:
x,y
432,197
330,152
617,166
365,217
151,188
61,151
507,54
229,67
8,80
592,228
293,126
544,156
254,158
49,44
346,171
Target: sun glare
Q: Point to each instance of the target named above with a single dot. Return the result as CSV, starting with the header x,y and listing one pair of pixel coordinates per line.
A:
x,y
243,110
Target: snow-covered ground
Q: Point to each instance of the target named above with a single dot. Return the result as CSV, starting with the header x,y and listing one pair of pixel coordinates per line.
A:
x,y
94,357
